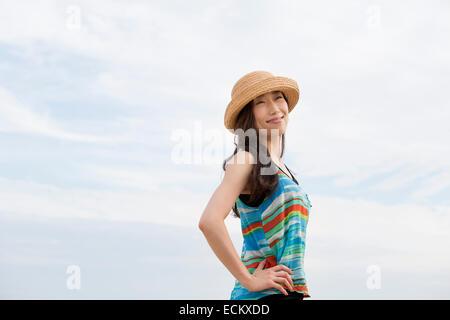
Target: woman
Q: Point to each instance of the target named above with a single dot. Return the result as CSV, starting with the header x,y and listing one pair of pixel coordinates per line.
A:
x,y
262,192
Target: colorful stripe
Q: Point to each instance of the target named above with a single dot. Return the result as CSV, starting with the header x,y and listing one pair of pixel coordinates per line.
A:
x,y
275,231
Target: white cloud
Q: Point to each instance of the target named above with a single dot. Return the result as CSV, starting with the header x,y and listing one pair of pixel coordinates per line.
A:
x,y
406,227
153,195
360,232
405,177
433,184
344,236
371,103
18,118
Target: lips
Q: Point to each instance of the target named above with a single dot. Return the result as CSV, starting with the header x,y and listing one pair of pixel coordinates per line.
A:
x,y
275,119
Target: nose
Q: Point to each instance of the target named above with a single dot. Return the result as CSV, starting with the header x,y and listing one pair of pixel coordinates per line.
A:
x,y
273,107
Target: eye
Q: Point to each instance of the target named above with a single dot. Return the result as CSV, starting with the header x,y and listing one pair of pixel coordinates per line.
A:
x,y
263,101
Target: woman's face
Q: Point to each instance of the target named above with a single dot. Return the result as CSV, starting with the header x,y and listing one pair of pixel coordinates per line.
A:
x,y
269,106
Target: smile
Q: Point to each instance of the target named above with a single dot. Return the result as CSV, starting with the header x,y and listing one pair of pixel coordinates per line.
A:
x,y
277,120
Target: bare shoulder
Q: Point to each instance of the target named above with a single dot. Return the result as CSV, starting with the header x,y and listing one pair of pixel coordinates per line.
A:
x,y
238,169
243,160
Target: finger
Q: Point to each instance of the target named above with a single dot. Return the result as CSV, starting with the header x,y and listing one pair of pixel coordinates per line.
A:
x,y
284,281
289,277
280,288
283,267
261,264
292,283
286,275
288,270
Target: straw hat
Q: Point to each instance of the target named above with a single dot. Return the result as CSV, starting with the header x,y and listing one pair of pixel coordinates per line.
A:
x,y
254,84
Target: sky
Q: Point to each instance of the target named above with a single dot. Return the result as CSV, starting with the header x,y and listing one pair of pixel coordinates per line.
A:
x,y
112,142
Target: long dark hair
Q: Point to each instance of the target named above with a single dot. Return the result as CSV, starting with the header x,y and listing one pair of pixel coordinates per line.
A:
x,y
260,186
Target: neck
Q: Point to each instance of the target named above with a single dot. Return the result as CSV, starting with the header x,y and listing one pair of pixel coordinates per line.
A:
x,y
273,147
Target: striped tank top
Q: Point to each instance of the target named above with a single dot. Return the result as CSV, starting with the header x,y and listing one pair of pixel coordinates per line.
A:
x,y
275,231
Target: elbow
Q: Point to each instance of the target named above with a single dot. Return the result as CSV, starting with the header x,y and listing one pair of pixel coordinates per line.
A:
x,y
202,225
205,224
203,221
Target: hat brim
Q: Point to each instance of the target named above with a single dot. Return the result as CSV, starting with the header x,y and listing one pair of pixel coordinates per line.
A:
x,y
288,86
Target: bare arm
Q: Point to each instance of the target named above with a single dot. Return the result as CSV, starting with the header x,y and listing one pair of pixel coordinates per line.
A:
x,y
220,242
212,221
